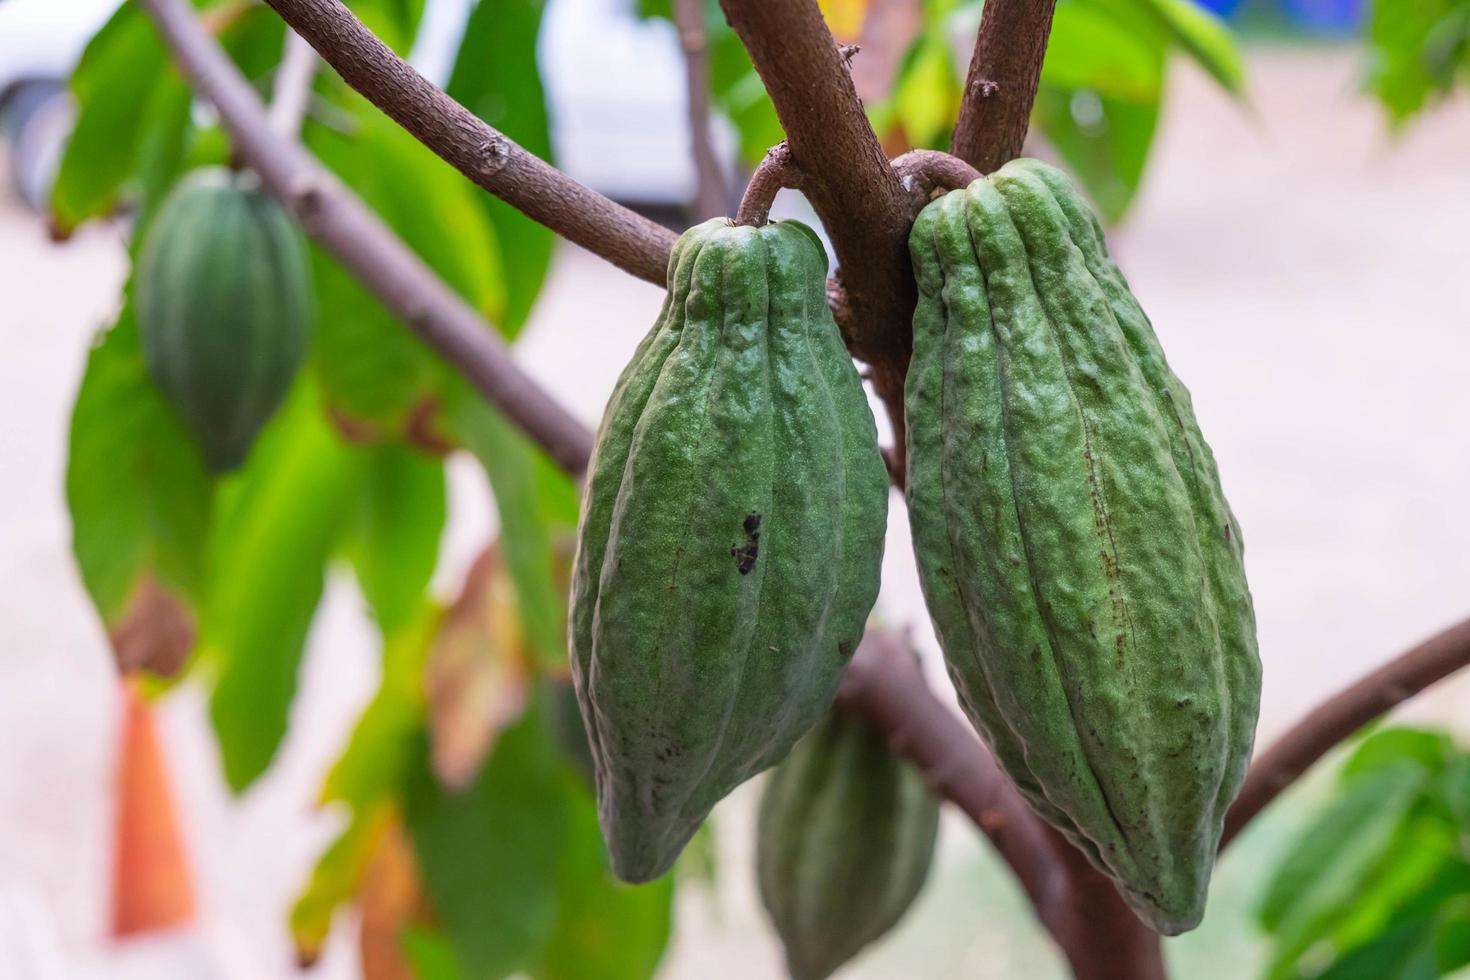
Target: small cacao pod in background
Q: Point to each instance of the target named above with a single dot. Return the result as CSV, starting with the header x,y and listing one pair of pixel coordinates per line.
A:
x,y
845,839
1080,563
224,308
730,539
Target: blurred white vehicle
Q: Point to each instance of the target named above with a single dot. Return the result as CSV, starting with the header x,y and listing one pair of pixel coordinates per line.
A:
x,y
615,86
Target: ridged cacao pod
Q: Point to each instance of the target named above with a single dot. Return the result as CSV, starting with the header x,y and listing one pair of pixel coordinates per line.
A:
x,y
846,837
224,308
1080,563
730,538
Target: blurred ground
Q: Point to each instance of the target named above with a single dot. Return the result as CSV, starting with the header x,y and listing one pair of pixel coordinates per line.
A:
x,y
1307,275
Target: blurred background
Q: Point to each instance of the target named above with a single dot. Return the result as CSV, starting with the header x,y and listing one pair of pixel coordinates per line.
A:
x,y
1295,222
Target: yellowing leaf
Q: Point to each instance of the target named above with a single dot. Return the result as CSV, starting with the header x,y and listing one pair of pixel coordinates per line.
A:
x,y
845,17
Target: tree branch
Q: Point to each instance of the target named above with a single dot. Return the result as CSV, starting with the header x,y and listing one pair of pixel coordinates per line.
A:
x,y
775,172
1001,84
710,198
848,179
484,155
1332,722
340,222
922,172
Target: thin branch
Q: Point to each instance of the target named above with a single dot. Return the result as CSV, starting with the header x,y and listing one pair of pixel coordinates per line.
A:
x,y
775,172
291,92
710,198
1002,80
922,172
848,179
1330,723
340,222
484,155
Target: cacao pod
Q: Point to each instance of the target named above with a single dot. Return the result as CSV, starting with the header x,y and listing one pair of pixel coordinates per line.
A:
x,y
224,308
1080,563
730,538
845,839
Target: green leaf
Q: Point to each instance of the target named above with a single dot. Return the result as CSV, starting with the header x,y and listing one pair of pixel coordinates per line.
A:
x,y
430,954
396,22
505,90
136,486
1415,52
1204,37
490,854
927,96
371,367
1398,747
335,879
1089,48
538,513
278,522
1405,952
1330,859
605,930
114,85
387,735
1104,140
394,540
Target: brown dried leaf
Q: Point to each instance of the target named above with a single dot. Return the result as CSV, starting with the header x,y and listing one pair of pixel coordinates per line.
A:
x,y
156,632
477,674
391,897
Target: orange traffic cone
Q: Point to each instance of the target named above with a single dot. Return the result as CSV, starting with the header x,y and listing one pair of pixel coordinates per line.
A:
x,y
151,885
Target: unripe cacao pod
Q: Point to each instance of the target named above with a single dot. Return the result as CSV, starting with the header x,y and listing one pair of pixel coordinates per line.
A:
x,y
845,839
224,308
1080,563
730,538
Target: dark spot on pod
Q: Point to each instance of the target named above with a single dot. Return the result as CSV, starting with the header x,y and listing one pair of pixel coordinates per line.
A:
x,y
745,554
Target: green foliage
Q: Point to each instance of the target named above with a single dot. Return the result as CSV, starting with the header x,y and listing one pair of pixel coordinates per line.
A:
x,y
489,855
1378,884
1078,558
277,524
136,486
1417,52
394,538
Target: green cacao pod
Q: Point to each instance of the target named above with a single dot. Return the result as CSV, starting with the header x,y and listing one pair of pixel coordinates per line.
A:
x,y
224,308
1080,563
845,839
730,539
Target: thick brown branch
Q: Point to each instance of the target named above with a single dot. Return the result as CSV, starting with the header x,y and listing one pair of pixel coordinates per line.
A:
x,y
775,172
485,156
1329,724
1001,84
345,227
710,197
848,179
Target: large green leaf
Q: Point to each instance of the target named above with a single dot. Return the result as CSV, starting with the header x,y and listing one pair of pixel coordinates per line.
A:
x,y
1202,36
1416,51
1338,850
1090,49
496,77
279,520
489,855
394,539
387,734
135,484
1104,140
396,22
371,368
538,514
114,86
605,929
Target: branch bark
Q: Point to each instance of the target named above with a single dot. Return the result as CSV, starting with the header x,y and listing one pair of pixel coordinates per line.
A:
x,y
775,172
1001,83
848,179
481,153
710,196
1334,721
343,225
